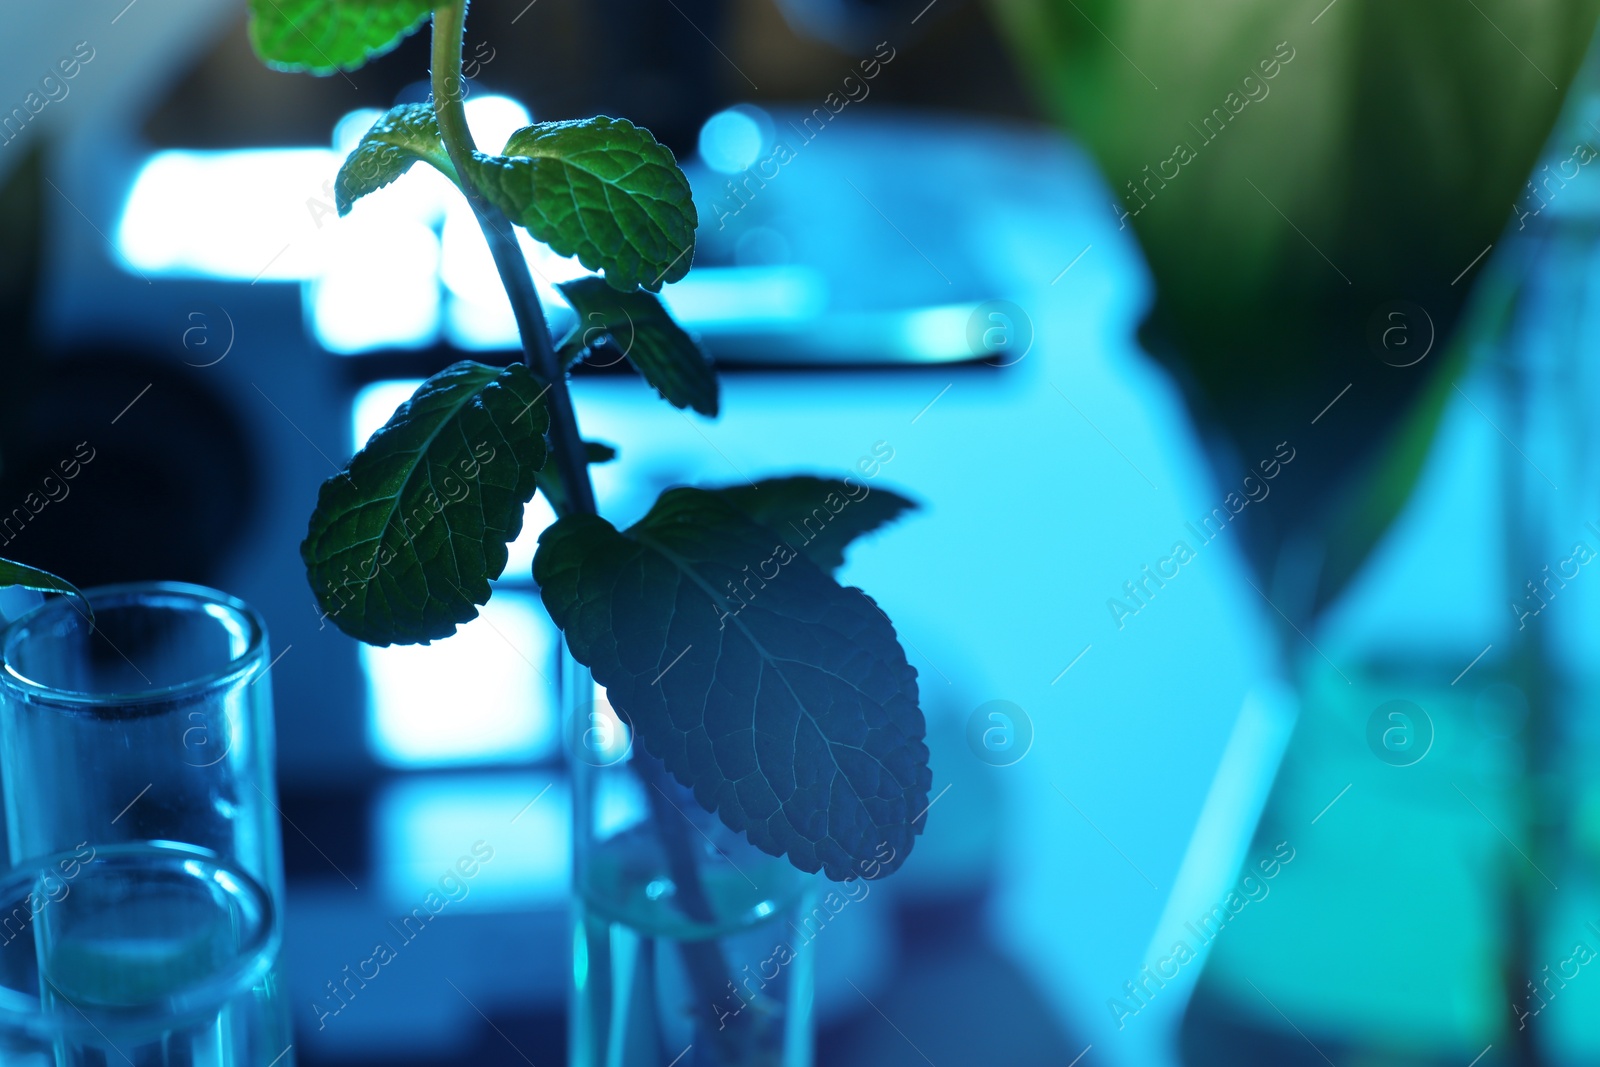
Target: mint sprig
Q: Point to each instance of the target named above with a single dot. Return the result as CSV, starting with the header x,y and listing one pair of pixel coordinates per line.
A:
x,y
792,713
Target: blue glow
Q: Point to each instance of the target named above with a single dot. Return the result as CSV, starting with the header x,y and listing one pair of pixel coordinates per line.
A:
x,y
227,882
713,295
477,313
580,958
502,705
619,803
16,602
378,287
731,140
264,215
935,331
251,215
1221,837
607,736
373,406
482,696
429,833
234,625
493,119
349,130
407,266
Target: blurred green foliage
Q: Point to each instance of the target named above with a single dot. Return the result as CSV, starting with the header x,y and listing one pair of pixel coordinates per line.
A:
x,y
1310,164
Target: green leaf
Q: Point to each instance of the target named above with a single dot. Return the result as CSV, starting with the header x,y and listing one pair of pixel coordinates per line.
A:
x,y
1270,264
819,516
780,697
325,36
398,139
403,544
40,581
639,326
600,189
550,479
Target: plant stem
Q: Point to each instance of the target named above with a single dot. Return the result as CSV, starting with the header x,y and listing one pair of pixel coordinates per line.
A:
x,y
708,970
704,960
566,443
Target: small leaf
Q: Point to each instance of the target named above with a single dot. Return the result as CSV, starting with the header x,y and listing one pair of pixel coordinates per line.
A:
x,y
403,545
639,325
550,479
325,36
601,189
819,516
398,139
780,697
40,581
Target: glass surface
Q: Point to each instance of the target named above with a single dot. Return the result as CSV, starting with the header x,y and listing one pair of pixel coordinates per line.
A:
x,y
1449,767
690,946
141,918
1389,839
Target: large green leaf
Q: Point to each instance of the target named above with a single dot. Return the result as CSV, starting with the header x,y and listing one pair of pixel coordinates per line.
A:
x,y
403,544
40,581
819,516
638,325
325,36
600,189
1300,168
398,139
780,697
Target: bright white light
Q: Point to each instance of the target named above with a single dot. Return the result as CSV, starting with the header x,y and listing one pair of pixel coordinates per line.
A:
x,y
932,332
731,140
421,195
720,295
374,404
480,325
535,517
465,265
269,215
349,130
478,315
252,215
379,286
548,268
481,842
493,119
481,696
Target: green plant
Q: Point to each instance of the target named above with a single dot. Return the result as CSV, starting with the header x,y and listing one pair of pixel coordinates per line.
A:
x,y
1291,172
37,580
786,705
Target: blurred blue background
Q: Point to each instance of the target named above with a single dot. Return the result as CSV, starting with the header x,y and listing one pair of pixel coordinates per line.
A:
x,y
934,276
